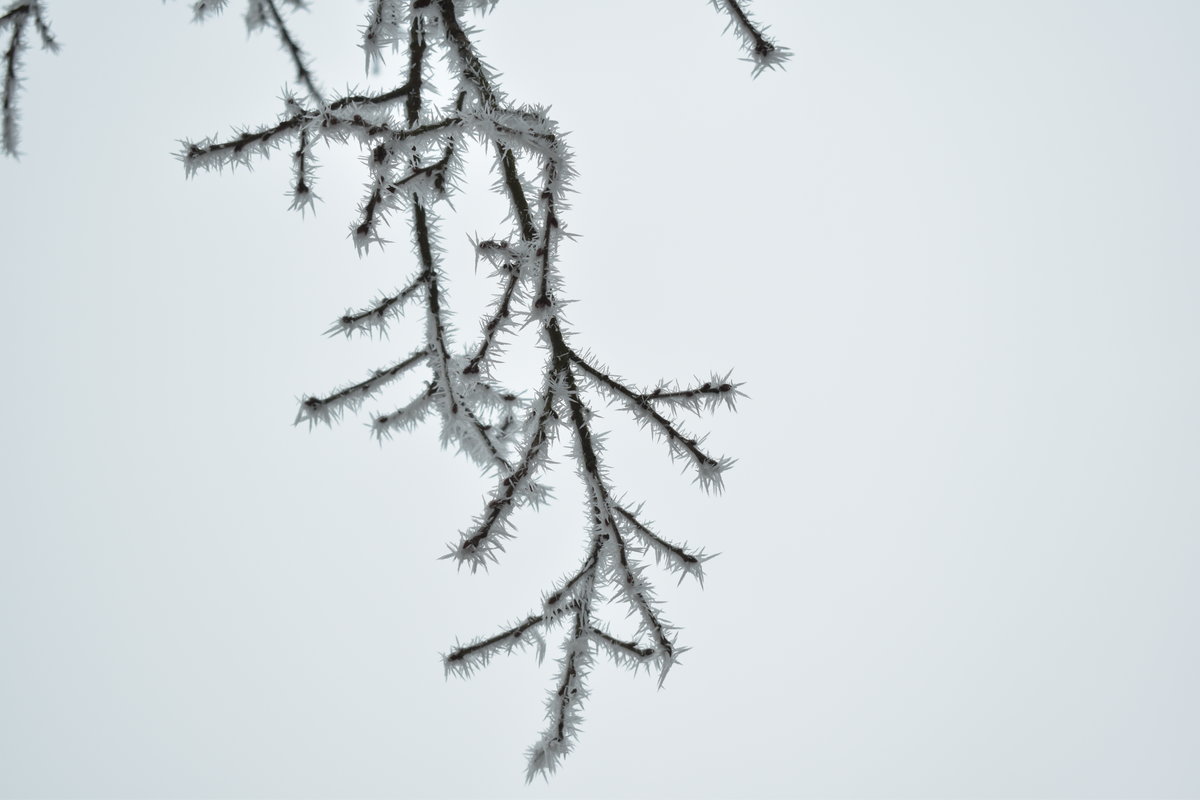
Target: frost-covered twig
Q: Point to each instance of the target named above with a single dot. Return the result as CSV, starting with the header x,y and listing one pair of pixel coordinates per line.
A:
x,y
265,14
329,408
413,165
262,13
516,487
464,658
683,446
375,318
761,50
674,557
565,703
17,17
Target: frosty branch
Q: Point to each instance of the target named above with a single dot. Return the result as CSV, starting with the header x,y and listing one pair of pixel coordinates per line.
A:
x,y
414,162
414,154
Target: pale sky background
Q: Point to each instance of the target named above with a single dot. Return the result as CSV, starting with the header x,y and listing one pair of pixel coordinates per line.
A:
x,y
952,252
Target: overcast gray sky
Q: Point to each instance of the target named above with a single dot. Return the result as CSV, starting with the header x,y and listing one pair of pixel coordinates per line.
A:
x,y
952,252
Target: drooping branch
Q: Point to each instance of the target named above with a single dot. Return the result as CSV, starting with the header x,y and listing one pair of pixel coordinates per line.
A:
x,y
414,165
